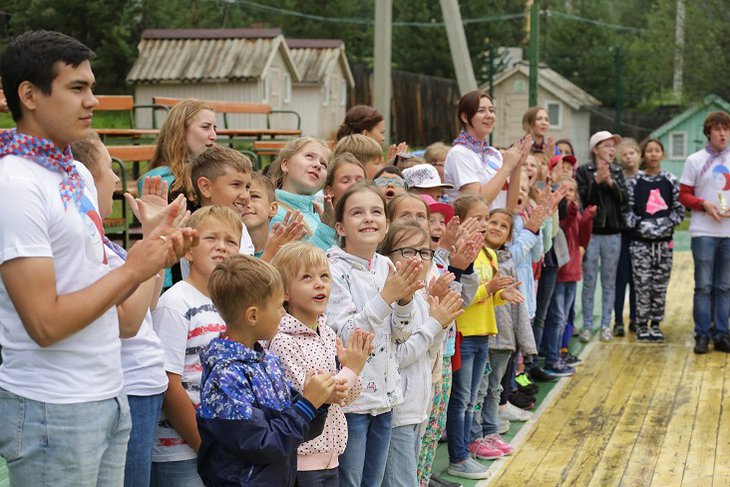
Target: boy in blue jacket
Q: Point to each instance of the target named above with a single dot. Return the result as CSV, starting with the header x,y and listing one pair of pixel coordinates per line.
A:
x,y
250,419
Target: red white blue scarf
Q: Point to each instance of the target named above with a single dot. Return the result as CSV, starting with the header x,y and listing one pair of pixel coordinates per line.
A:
x,y
481,148
713,156
45,153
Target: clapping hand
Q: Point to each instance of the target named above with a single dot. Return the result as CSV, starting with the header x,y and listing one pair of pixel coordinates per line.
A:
x,y
359,346
403,281
446,310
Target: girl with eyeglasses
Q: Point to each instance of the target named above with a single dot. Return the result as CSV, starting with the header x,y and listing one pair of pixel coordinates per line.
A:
x,y
390,182
416,343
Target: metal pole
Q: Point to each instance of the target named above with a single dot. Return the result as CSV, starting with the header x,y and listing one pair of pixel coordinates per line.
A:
x,y
677,79
491,78
457,44
617,80
382,61
534,50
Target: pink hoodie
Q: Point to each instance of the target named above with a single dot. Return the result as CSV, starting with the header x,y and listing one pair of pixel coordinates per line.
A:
x,y
301,349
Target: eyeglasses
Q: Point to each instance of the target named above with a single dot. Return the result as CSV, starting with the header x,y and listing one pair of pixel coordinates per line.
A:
x,y
409,252
383,182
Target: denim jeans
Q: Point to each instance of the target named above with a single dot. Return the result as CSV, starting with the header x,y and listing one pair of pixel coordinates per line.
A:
x,y
624,277
487,422
318,478
563,296
405,445
82,444
545,287
182,473
145,412
464,390
712,282
607,249
363,461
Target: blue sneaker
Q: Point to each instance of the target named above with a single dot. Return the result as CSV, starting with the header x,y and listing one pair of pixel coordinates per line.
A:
x,y
468,469
559,369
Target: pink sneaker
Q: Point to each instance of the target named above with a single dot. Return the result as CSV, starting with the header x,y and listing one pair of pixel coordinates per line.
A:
x,y
484,450
495,441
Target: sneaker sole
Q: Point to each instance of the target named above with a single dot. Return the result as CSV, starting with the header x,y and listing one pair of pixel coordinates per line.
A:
x,y
479,457
466,475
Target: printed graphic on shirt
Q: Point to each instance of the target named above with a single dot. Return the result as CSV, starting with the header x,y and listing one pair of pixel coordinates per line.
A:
x,y
655,203
94,228
721,177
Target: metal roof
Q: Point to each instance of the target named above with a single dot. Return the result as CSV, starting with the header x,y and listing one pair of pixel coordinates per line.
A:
x,y
315,59
551,81
194,55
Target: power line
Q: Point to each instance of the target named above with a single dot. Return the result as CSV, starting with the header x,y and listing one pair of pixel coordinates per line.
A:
x,y
433,24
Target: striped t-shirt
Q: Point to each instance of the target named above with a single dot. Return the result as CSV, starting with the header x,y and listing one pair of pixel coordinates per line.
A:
x,y
186,321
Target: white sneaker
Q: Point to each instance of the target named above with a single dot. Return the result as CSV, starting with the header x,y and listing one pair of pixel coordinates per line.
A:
x,y
606,334
513,413
586,335
503,427
468,469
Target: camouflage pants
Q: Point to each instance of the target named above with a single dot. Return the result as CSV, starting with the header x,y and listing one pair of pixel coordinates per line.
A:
x,y
651,265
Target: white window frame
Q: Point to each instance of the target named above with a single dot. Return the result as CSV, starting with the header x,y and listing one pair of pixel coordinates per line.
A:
x,y
672,155
559,124
326,93
287,88
265,88
343,92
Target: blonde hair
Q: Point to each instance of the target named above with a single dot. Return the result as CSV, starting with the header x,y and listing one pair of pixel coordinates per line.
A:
x,y
288,151
436,152
392,207
295,256
86,151
361,146
223,214
171,147
265,182
627,142
239,282
463,204
212,163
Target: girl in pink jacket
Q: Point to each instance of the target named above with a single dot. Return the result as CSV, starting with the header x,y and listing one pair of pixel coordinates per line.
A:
x,y
305,342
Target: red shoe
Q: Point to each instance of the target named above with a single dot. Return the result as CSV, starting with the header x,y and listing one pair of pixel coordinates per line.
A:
x,y
484,451
495,441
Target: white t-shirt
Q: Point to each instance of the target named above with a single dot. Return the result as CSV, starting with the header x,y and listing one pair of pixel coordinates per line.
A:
x,y
464,166
186,321
85,366
708,186
142,357
246,248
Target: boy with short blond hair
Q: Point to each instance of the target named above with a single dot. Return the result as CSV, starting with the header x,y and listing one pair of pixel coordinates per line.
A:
x,y
365,150
250,419
186,320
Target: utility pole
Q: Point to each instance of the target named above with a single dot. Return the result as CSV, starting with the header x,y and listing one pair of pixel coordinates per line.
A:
x,y
457,44
534,49
617,81
382,61
677,81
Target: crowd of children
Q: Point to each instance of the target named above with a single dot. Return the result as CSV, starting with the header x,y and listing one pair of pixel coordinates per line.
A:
x,y
331,318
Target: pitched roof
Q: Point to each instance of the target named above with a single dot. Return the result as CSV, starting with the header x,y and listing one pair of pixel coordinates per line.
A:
x,y
551,81
315,58
189,55
711,99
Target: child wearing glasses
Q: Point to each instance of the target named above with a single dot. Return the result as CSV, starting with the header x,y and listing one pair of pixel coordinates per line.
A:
x,y
390,182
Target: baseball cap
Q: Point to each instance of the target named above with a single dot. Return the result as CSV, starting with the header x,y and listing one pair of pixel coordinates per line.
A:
x,y
436,207
556,159
599,137
423,176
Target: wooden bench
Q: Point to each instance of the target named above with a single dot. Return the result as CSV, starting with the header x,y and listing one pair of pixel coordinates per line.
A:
x,y
122,154
241,108
123,103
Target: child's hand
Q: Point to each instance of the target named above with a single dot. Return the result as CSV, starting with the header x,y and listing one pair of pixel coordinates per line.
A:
x,y
290,229
358,349
318,387
466,250
536,219
445,310
512,295
498,282
590,211
403,282
439,286
326,214
339,393
469,227
394,150
451,234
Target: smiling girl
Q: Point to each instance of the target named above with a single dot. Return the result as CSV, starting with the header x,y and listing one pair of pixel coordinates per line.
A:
x,y
298,172
536,122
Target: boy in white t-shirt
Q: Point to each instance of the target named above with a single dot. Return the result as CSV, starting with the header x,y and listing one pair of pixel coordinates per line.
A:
x,y
186,321
65,417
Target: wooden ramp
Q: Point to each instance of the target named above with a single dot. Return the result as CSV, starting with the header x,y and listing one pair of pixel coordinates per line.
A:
x,y
635,414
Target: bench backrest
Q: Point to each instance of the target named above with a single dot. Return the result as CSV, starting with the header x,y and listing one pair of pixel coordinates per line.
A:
x,y
113,103
132,153
220,106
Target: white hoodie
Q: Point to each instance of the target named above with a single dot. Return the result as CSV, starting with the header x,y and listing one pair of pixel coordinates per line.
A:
x,y
355,302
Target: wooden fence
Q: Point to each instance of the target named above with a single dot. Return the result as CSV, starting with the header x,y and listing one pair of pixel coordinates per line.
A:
x,y
423,108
